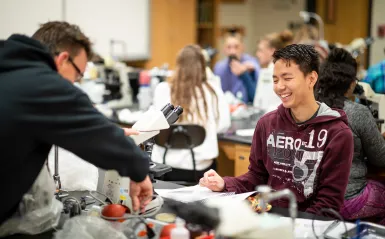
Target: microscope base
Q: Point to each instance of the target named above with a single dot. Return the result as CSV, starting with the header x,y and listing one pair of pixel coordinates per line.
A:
x,y
157,170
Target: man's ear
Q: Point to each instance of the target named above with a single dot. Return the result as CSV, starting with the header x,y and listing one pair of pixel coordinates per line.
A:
x,y
61,58
313,77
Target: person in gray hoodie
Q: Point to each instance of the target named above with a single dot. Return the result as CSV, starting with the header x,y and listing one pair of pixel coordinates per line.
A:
x,y
364,199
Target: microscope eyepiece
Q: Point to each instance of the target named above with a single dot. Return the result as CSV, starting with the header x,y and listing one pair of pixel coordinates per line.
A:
x,y
178,110
172,113
167,109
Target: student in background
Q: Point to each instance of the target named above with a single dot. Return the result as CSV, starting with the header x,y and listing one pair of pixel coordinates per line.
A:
x,y
309,34
364,199
203,103
234,65
306,34
304,146
376,77
265,98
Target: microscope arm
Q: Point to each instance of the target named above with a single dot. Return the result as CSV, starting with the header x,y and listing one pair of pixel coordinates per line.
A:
x,y
149,126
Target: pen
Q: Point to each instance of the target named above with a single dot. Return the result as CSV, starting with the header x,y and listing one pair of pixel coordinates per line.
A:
x,y
358,231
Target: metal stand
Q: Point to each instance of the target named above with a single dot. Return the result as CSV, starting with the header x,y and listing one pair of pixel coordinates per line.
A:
x,y
59,193
156,169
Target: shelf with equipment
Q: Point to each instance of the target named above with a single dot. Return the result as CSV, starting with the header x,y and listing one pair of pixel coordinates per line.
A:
x,y
207,23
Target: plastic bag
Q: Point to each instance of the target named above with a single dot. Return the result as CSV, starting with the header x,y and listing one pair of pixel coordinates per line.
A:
x,y
88,227
38,211
75,173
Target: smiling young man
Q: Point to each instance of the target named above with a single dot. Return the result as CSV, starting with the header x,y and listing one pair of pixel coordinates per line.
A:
x,y
304,145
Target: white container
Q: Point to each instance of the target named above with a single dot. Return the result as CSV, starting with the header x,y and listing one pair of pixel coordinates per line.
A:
x,y
180,232
144,97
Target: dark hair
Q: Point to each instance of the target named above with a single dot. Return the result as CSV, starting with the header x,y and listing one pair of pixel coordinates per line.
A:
x,y
62,36
336,76
305,56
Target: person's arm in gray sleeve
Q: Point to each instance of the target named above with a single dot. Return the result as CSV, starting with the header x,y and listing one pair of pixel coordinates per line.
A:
x,y
373,142
56,112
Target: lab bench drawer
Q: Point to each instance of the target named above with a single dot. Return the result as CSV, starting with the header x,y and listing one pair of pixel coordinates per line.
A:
x,y
242,154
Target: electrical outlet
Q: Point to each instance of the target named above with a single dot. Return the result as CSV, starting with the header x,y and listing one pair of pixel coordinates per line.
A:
x,y
381,31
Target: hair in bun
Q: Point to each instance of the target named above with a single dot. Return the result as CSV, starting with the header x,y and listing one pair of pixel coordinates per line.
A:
x,y
279,40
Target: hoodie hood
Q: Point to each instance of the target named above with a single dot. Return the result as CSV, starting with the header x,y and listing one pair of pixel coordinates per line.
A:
x,y
19,51
325,114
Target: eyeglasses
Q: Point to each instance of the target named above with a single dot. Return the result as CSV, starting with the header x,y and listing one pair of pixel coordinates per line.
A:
x,y
80,74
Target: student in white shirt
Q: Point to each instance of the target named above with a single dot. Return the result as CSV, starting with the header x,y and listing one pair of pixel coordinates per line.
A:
x,y
203,103
265,98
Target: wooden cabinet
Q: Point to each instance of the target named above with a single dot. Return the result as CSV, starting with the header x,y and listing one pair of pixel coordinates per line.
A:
x,y
173,26
225,160
233,158
349,19
242,154
207,23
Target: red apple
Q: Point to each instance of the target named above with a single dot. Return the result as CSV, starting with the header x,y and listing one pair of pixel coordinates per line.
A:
x,y
114,210
166,230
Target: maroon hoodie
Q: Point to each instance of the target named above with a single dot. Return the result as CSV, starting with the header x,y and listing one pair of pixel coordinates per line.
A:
x,y
312,159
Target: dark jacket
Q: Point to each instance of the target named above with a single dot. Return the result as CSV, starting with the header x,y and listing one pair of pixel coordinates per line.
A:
x,y
312,159
39,108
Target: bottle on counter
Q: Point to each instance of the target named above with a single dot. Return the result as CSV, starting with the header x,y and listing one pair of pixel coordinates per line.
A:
x,y
144,95
180,231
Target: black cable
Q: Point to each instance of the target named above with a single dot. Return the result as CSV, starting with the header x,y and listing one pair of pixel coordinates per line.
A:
x,y
334,212
150,231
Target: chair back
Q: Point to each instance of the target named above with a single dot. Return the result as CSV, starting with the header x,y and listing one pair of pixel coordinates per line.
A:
x,y
180,136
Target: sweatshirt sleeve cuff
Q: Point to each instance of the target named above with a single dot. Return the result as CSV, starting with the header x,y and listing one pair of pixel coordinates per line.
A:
x,y
229,184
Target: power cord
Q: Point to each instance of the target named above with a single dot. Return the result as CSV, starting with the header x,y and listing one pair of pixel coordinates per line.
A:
x,y
97,199
73,206
150,231
334,212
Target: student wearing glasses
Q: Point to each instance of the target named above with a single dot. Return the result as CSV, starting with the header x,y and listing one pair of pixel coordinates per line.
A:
x,y
40,107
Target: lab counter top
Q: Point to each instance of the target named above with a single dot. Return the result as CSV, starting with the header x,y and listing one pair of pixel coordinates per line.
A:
x,y
164,185
235,138
239,124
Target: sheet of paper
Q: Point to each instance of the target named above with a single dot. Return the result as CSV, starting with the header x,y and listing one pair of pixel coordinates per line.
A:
x,y
242,196
190,194
303,228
